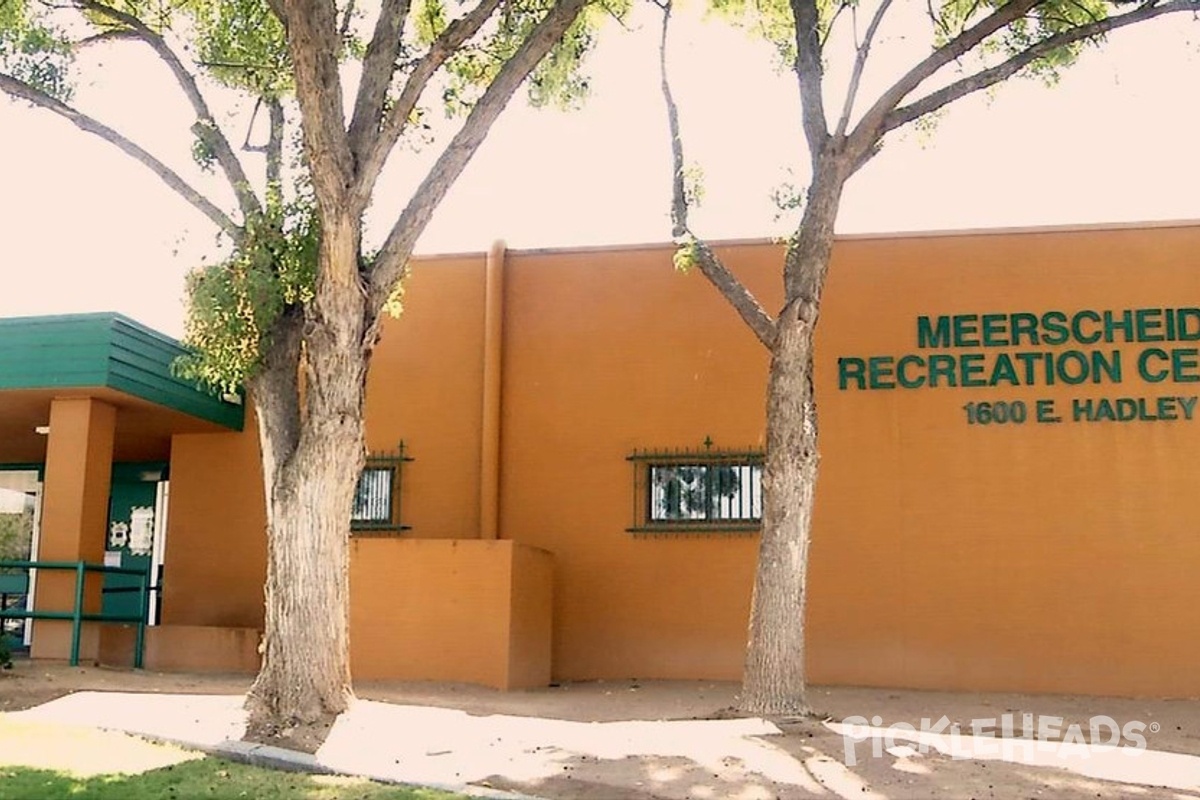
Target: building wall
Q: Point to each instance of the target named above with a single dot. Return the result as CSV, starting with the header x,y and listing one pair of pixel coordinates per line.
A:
x,y
216,552
450,610
424,388
1042,556
1034,556
607,352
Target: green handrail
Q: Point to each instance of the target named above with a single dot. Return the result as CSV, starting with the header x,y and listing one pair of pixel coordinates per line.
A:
x,y
76,615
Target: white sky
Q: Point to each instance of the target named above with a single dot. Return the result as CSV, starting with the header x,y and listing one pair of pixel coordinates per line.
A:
x,y
86,229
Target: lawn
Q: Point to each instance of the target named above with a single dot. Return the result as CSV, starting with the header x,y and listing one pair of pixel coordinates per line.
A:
x,y
200,778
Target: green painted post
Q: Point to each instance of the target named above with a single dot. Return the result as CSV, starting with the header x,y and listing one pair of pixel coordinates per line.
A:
x,y
140,644
77,614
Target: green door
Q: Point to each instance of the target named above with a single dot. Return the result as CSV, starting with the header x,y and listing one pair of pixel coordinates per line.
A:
x,y
130,535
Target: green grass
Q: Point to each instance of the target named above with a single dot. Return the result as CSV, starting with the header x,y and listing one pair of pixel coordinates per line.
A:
x,y
201,778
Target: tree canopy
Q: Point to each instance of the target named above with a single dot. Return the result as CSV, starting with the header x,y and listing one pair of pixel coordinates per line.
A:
x,y
445,56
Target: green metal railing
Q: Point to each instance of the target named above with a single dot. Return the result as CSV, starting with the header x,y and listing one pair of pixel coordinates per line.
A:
x,y
77,616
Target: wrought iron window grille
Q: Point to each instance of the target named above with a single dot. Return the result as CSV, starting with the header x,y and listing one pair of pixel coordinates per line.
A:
x,y
696,491
376,510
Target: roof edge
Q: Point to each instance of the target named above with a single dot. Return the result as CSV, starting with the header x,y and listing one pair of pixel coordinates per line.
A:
x,y
752,241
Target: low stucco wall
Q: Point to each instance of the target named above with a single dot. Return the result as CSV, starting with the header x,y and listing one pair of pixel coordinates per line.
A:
x,y
450,610
183,648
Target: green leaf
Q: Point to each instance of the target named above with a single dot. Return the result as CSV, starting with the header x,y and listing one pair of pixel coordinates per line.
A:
x,y
242,44
34,49
687,253
233,305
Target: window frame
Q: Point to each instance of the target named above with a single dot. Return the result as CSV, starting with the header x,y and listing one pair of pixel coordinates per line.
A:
x,y
645,516
392,462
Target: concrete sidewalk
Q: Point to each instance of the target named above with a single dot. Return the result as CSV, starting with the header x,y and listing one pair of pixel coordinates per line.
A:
x,y
446,748
747,758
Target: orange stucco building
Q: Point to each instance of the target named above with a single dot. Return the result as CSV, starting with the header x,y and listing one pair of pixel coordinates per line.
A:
x,y
1008,429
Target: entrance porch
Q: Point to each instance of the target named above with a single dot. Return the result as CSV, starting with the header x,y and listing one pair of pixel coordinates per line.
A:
x,y
88,410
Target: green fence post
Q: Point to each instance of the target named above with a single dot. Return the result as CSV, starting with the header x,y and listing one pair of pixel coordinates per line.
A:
x,y
77,614
140,644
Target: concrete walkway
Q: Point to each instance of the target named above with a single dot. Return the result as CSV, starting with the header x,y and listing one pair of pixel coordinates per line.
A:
x,y
446,748
454,750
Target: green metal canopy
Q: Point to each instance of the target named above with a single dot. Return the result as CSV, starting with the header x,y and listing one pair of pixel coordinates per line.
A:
x,y
104,350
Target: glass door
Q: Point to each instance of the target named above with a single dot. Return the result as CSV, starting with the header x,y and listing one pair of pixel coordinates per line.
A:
x,y
20,499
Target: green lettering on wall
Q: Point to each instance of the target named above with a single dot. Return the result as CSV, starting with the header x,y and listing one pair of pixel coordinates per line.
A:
x,y
941,367
1109,365
1148,321
1077,328
1125,325
1188,322
880,370
902,372
966,330
1086,363
929,336
1072,367
1004,371
851,369
971,366
1054,328
1024,324
1184,363
994,330
1028,360
1152,373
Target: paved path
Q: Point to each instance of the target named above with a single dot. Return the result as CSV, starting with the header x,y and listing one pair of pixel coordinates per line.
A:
x,y
452,749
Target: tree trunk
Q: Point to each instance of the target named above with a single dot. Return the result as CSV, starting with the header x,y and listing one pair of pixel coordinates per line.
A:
x,y
310,473
774,680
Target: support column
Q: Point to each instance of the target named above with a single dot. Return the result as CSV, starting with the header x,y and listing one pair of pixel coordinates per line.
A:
x,y
493,355
75,497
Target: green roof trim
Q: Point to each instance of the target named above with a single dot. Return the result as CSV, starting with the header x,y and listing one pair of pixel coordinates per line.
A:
x,y
104,350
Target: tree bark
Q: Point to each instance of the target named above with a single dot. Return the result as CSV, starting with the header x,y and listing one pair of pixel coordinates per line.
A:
x,y
774,682
310,471
306,666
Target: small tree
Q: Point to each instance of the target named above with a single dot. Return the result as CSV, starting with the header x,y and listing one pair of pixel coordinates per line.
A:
x,y
299,301
16,532
972,46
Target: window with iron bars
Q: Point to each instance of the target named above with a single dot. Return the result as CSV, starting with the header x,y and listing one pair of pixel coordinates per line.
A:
x,y
696,490
376,508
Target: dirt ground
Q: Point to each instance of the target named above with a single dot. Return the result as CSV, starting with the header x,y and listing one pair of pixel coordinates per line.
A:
x,y
1171,725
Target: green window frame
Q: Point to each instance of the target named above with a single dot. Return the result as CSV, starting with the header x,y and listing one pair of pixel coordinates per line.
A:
x,y
696,491
376,509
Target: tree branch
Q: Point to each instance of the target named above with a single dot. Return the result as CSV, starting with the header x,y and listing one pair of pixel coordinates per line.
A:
x,y
989,77
844,5
314,45
23,91
810,74
106,36
378,65
734,291
347,18
206,126
866,133
443,47
246,146
392,259
679,201
860,63
274,149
